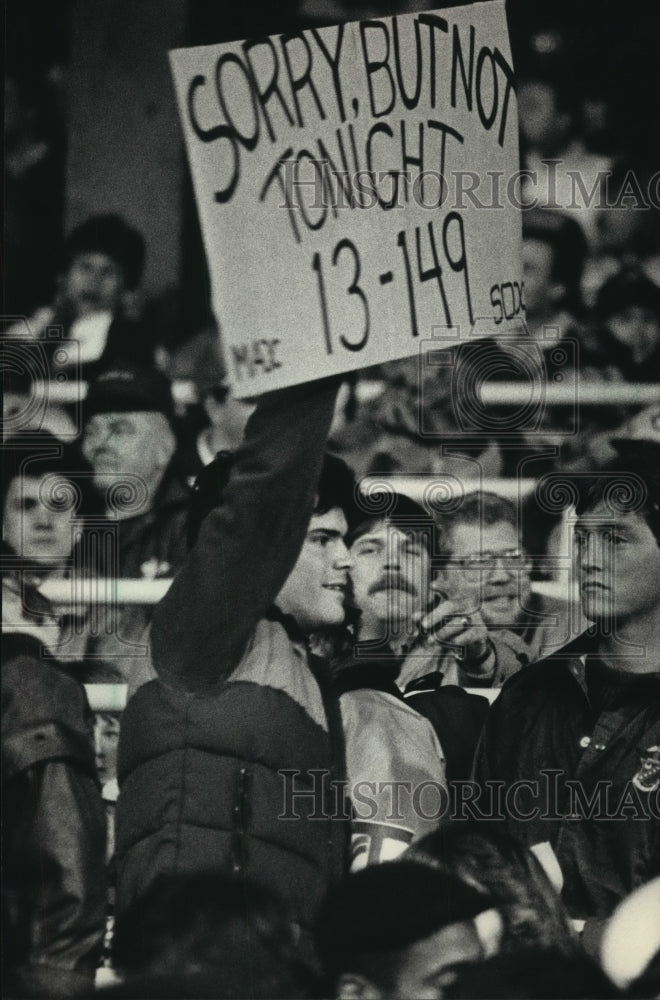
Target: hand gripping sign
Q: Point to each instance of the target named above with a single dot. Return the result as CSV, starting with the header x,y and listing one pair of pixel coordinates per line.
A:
x,y
354,187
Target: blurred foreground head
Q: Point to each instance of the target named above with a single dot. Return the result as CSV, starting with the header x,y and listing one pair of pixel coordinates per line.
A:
x,y
208,934
402,929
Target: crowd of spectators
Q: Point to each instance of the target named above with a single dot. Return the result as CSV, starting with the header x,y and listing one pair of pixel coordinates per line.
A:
x,y
412,637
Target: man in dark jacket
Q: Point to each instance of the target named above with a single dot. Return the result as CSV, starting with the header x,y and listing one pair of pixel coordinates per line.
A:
x,y
129,440
53,842
575,738
227,760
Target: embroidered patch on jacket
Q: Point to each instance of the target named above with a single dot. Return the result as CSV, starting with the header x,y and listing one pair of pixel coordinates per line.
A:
x,y
647,778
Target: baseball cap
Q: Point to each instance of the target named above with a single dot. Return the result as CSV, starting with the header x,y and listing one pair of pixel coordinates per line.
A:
x,y
128,388
390,906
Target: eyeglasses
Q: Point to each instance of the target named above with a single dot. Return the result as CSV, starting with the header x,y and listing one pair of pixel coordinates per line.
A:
x,y
510,558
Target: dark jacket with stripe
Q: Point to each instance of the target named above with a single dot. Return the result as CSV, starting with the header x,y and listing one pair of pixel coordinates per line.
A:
x,y
586,778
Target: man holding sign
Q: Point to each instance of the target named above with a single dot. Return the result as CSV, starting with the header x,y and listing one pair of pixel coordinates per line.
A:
x,y
303,149
233,758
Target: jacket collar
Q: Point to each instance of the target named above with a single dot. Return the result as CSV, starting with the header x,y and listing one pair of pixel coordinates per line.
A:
x,y
354,672
575,655
289,623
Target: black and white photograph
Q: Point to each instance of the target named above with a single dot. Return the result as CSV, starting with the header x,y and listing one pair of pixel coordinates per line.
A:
x,y
330,342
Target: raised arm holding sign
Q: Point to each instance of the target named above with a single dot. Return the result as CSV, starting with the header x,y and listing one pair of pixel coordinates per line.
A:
x,y
238,698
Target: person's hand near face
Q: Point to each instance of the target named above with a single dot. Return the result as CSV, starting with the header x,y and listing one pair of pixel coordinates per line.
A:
x,y
457,625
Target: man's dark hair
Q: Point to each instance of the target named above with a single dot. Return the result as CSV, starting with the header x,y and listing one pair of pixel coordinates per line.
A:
x,y
630,483
397,509
367,921
207,922
336,488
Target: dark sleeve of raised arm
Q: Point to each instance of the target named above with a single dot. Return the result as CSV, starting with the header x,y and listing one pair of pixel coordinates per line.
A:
x,y
247,547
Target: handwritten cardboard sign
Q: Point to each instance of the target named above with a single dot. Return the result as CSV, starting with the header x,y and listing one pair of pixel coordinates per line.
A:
x,y
353,187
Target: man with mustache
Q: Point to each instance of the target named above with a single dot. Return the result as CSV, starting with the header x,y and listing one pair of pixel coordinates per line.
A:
x,y
422,739
578,733
408,598
391,749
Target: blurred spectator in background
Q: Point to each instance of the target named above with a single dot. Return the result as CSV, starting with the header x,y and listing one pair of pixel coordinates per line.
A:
x,y
594,446
129,441
379,433
410,426
95,303
550,129
106,741
554,252
106,738
625,341
235,932
403,929
627,226
641,425
218,422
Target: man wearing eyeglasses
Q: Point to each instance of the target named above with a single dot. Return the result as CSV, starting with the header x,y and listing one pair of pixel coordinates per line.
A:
x,y
485,562
476,633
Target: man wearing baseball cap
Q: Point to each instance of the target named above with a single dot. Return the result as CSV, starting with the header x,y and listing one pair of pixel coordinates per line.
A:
x,y
403,929
129,440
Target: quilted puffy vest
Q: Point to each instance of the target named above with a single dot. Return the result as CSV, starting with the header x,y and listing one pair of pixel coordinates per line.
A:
x,y
239,779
